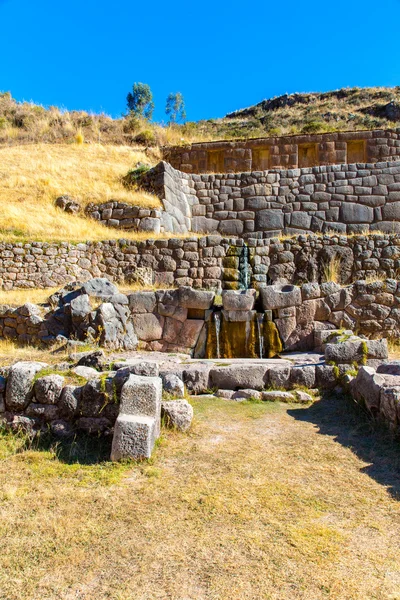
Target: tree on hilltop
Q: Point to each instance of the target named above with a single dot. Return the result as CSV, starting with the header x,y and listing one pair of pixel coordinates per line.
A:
x,y
140,101
175,107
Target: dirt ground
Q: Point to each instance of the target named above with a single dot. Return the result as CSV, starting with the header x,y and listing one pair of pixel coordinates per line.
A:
x,y
258,501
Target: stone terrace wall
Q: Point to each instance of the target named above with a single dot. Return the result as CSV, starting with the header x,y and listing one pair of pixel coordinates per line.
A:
x,y
285,152
210,262
343,198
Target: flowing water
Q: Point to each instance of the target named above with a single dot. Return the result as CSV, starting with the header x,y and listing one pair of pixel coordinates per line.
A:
x,y
244,269
260,324
217,321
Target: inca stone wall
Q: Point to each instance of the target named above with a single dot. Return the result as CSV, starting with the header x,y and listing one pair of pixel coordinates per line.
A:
x,y
288,152
210,262
342,198
125,216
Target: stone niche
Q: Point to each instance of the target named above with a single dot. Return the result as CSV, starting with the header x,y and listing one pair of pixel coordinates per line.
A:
x,y
215,161
307,155
355,151
260,159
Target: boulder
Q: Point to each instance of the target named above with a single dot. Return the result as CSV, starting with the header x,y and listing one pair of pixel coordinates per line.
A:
x,y
197,378
177,414
247,395
19,390
279,377
86,372
95,359
99,287
48,389
142,302
141,396
172,384
69,400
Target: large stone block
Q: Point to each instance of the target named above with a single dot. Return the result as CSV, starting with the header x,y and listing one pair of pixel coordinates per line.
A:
x,y
134,437
236,377
148,327
19,390
191,298
280,296
238,300
350,212
178,414
269,219
141,396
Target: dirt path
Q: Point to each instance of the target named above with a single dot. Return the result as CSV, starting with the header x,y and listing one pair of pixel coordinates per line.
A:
x,y
259,501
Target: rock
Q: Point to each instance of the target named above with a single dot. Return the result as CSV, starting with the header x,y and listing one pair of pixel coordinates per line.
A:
x,y
366,387
142,396
93,425
279,377
325,377
390,406
48,389
96,395
303,375
252,376
226,394
99,287
134,437
172,384
86,372
280,296
197,378
278,396
389,367
303,396
94,359
61,428
68,204
191,298
238,300
247,395
19,423
69,400
177,414
142,302
47,412
353,350
20,383
148,327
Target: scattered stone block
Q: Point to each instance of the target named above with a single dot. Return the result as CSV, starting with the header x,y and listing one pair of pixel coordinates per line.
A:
x,y
177,414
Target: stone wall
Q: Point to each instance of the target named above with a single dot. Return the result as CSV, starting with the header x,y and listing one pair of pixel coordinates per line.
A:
x,y
182,320
125,216
210,262
342,198
287,152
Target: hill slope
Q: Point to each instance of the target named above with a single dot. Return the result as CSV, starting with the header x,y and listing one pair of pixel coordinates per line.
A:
x,y
341,110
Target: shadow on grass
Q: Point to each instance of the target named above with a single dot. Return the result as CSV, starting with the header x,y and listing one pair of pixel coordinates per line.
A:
x,y
351,426
81,448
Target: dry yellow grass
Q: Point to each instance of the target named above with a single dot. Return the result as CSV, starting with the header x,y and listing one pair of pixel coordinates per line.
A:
x,y
257,501
33,176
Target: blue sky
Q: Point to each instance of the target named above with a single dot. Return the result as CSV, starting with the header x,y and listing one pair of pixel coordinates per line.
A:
x,y
85,54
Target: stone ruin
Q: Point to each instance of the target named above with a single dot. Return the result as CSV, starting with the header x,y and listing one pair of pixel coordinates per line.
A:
x,y
250,304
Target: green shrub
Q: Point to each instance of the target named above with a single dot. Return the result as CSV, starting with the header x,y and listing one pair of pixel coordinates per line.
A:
x,y
146,137
313,127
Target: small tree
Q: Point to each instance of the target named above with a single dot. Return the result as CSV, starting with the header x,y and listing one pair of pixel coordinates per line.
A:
x,y
140,101
175,107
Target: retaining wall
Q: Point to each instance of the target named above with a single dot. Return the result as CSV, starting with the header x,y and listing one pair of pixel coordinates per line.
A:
x,y
350,198
285,152
210,262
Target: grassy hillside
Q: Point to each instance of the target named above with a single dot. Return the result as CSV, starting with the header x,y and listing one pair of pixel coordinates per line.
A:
x,y
343,110
33,176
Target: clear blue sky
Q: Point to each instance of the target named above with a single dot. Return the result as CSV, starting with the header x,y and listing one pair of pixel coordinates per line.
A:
x,y
85,54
